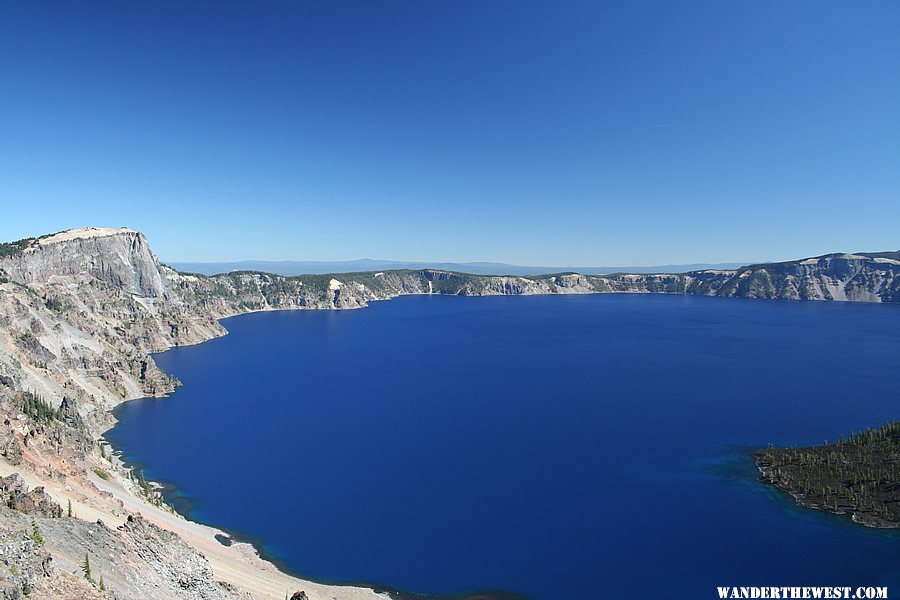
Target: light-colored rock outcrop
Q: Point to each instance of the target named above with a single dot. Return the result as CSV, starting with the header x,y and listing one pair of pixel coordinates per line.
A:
x,y
119,257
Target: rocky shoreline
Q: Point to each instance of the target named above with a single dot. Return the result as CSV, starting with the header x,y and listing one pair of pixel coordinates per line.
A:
x,y
81,314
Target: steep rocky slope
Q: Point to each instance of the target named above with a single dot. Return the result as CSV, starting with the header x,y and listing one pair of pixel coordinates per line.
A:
x,y
844,277
50,550
120,257
82,311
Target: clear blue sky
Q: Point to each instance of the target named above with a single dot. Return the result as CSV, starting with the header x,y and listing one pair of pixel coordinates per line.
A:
x,y
548,133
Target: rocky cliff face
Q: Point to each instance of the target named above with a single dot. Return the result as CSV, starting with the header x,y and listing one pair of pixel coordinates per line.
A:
x,y
119,257
854,278
82,311
80,314
840,277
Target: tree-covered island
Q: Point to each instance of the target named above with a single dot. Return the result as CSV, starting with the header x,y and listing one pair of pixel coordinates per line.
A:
x,y
857,476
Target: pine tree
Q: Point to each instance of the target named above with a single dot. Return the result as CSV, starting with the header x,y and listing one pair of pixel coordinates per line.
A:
x,y
86,568
69,511
102,585
36,533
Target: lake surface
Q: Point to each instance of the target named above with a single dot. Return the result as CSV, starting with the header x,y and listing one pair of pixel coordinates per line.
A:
x,y
550,446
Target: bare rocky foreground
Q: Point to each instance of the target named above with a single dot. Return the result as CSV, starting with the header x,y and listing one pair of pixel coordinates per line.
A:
x,y
48,553
82,311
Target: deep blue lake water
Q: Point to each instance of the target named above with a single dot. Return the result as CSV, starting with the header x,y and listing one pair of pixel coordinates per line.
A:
x,y
550,446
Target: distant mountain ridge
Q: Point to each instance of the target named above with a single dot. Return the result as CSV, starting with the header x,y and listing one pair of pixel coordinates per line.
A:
x,y
122,258
314,267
